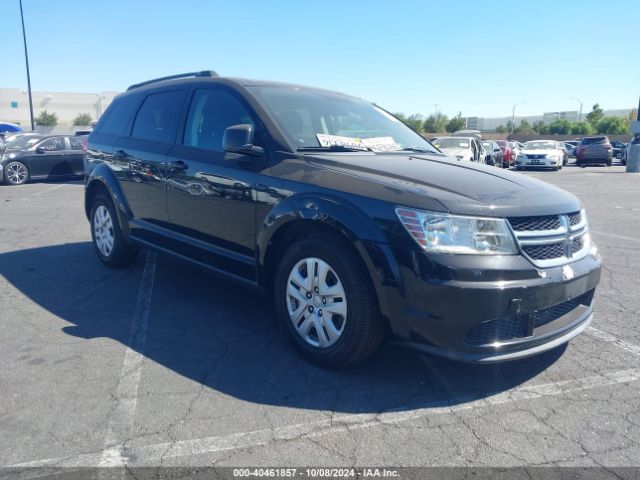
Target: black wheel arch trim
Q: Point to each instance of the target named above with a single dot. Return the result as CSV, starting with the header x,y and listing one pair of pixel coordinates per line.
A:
x,y
358,228
104,176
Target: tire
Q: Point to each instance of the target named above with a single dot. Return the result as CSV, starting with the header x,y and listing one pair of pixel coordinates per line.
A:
x,y
355,329
109,243
16,173
609,162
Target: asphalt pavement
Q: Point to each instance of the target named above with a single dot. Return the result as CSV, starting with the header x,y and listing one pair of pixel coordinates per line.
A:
x,y
162,364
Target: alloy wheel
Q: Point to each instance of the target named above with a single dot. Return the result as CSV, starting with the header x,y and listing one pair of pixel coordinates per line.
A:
x,y
17,173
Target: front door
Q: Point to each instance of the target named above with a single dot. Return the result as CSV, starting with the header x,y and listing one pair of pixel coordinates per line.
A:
x,y
48,158
211,193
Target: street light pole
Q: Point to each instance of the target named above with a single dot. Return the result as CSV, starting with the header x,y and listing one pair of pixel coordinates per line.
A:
x,y
513,114
580,102
26,57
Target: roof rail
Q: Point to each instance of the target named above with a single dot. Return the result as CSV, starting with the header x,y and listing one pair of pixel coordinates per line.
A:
x,y
204,73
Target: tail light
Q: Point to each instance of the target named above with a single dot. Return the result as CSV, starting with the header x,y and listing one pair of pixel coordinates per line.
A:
x,y
85,144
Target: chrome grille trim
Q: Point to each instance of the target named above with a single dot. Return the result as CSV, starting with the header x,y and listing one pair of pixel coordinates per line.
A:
x,y
567,243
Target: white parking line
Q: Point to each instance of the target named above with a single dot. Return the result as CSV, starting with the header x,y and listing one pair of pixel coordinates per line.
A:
x,y
121,418
37,194
599,334
622,237
152,454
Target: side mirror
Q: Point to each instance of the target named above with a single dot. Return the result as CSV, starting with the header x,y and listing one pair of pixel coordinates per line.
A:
x,y
239,139
40,150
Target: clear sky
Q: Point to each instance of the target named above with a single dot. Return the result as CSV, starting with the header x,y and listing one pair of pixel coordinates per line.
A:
x,y
478,57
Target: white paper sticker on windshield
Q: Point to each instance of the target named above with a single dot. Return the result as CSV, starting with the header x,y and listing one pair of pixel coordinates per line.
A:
x,y
381,144
377,144
339,141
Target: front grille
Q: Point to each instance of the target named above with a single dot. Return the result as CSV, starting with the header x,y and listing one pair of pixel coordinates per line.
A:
x,y
498,330
528,224
545,252
536,157
577,244
519,326
575,218
551,240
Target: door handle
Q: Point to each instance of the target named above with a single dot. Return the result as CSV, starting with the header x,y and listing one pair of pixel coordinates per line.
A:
x,y
178,166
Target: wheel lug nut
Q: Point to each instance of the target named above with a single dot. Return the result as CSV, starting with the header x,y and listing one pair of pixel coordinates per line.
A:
x,y
308,294
324,301
319,313
316,289
310,309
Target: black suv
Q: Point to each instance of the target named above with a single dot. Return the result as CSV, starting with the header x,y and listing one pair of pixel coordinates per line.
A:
x,y
355,225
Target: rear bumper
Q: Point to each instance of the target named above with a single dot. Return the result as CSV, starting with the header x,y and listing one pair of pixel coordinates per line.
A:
x,y
486,310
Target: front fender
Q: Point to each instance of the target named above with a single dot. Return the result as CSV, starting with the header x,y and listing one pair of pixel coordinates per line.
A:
x,y
102,176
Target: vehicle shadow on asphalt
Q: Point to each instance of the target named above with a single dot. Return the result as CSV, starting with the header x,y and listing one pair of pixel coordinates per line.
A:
x,y
226,338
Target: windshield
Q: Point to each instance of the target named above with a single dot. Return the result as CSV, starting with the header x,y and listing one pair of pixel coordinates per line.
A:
x,y
487,145
540,145
317,119
23,141
451,142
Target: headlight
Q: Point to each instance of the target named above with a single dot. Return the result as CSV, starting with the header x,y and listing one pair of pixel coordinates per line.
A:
x,y
444,233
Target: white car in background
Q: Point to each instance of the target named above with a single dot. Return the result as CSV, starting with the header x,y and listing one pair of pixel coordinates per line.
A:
x,y
461,148
541,154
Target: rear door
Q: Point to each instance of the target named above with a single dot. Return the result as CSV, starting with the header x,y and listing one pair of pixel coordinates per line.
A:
x,y
75,158
142,154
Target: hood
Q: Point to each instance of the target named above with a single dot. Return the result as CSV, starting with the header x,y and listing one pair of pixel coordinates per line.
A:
x,y
461,187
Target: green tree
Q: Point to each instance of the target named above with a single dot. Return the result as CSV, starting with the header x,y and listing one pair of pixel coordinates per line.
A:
x,y
560,126
582,128
540,127
633,115
415,121
82,119
456,123
613,125
595,115
501,129
436,123
524,127
47,119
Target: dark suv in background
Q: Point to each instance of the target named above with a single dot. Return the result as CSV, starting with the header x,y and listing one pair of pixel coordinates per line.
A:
x,y
351,222
594,150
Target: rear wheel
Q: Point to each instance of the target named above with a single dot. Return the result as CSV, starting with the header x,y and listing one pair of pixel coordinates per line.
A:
x,y
609,162
109,242
16,173
326,303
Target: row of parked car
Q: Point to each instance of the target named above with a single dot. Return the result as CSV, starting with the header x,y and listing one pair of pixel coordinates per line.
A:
x,y
468,145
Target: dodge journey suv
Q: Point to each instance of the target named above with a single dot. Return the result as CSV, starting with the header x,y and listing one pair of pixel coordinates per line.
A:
x,y
354,225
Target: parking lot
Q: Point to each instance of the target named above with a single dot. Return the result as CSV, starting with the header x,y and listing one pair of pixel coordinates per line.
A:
x,y
161,364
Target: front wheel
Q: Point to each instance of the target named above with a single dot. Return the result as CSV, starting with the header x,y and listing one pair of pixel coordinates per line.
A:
x,y
326,303
16,173
109,242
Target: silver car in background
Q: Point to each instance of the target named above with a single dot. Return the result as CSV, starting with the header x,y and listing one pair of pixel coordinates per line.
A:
x,y
541,154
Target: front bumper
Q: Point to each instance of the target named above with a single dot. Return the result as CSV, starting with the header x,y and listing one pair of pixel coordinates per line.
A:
x,y
482,309
538,163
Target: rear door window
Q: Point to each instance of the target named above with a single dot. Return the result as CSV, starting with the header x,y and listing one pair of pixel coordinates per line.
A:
x,y
76,143
117,117
158,117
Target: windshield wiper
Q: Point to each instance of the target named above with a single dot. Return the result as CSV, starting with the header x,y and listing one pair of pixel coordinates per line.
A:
x,y
415,149
333,148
